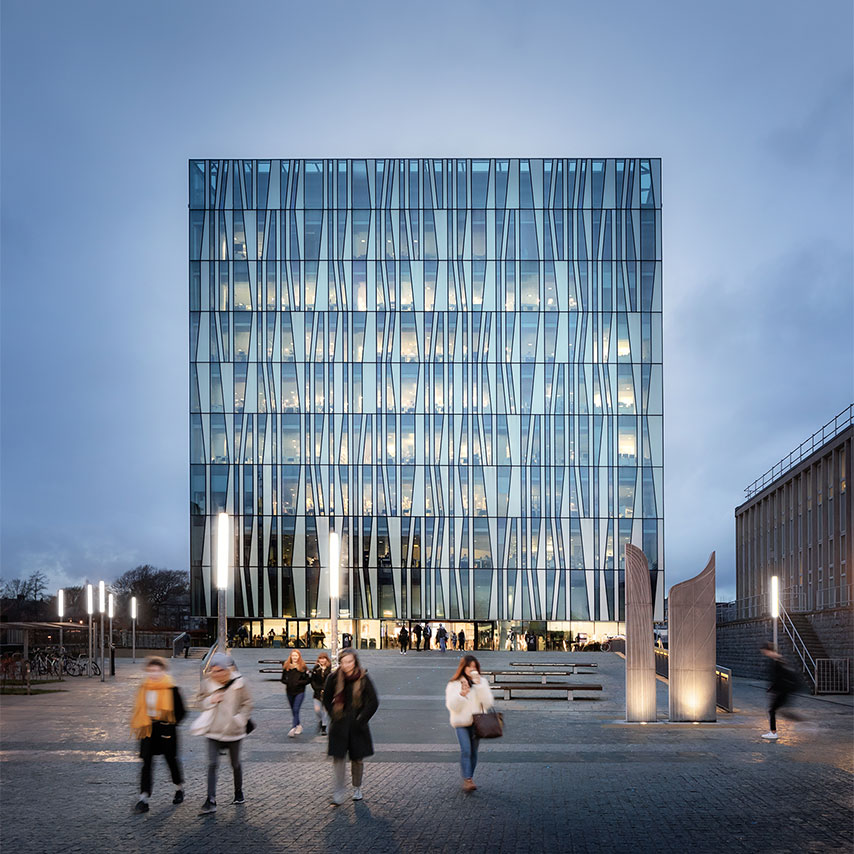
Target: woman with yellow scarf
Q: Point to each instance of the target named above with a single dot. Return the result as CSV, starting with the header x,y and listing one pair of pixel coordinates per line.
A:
x,y
156,714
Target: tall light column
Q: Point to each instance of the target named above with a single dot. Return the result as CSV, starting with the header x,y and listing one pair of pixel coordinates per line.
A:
x,y
222,543
775,605
102,606
110,608
60,608
334,590
90,607
133,624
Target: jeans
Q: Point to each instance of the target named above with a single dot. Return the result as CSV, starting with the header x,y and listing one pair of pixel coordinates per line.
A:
x,y
320,711
356,768
148,760
233,748
442,644
468,750
295,702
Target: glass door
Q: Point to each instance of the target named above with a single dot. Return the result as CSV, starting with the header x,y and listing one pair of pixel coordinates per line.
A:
x,y
484,636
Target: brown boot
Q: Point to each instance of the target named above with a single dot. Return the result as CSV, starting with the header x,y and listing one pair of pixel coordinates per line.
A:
x,y
468,785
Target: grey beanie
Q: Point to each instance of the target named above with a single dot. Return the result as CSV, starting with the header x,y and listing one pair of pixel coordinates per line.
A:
x,y
221,659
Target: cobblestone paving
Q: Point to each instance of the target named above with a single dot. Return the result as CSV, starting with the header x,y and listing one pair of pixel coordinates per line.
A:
x,y
567,777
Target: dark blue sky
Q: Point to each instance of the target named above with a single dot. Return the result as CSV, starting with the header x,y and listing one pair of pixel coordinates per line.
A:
x,y
748,104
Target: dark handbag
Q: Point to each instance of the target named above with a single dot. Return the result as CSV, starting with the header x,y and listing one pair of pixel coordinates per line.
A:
x,y
250,725
489,724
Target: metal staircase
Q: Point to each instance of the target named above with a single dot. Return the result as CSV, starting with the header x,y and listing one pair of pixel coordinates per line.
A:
x,y
826,675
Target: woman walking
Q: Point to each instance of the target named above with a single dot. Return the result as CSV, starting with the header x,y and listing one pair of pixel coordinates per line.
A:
x,y
351,700
466,695
295,677
227,706
318,676
157,712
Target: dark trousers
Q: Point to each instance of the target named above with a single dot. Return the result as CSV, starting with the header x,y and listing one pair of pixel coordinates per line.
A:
x,y
233,749
777,702
145,751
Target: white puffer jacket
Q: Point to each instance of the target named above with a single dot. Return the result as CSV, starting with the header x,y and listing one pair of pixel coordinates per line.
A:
x,y
479,699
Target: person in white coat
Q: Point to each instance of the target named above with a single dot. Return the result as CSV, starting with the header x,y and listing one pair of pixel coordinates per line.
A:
x,y
466,695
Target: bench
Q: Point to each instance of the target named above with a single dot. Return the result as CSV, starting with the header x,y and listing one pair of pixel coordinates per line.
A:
x,y
509,688
280,662
491,674
553,664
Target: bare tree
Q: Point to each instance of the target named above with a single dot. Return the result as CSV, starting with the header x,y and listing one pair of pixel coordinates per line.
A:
x,y
153,586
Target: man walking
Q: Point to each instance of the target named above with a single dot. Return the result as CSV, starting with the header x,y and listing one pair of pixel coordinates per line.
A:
x,y
403,640
428,634
417,632
783,682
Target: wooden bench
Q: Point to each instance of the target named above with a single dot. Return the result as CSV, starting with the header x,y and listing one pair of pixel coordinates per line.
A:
x,y
509,688
527,674
553,664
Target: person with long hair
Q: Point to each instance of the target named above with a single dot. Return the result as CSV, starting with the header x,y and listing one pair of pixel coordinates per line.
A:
x,y
466,695
157,712
351,700
319,674
295,677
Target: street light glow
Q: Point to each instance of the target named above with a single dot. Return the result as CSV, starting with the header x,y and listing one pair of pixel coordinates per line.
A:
x,y
60,602
102,597
222,551
90,604
133,607
775,596
110,606
334,562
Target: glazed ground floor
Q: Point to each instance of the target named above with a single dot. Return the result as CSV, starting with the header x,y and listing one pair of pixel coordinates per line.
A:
x,y
383,634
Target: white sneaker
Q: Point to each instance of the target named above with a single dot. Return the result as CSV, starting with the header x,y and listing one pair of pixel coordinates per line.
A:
x,y
297,729
292,732
338,798
357,793
771,736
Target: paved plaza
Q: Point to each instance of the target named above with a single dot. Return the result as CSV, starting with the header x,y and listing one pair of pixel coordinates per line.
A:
x,y
567,777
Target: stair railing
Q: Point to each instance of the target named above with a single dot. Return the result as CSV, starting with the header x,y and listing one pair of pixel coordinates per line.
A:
x,y
800,647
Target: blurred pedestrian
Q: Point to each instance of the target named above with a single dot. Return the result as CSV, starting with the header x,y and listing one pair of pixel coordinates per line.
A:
x,y
416,631
295,677
319,674
226,705
782,682
403,640
351,700
442,637
466,695
461,641
157,711
428,634
454,639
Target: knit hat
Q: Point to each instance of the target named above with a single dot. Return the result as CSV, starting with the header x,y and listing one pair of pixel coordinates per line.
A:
x,y
221,659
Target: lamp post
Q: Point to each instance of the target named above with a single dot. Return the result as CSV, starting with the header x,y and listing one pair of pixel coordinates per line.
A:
x,y
102,606
222,541
775,605
133,624
90,607
60,607
334,590
110,610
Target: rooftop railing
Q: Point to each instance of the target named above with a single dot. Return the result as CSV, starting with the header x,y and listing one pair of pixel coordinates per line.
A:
x,y
833,428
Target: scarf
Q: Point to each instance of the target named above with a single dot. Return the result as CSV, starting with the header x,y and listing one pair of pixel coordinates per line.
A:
x,y
338,698
140,722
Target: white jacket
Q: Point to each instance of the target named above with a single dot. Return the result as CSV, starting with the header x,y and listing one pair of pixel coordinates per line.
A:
x,y
227,719
479,699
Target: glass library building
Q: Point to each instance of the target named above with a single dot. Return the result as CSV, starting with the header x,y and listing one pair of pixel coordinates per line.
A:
x,y
456,364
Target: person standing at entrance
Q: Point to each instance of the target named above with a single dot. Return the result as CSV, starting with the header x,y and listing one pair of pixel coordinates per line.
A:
x,y
295,677
319,674
227,705
417,632
782,683
403,640
454,640
156,714
461,641
442,637
351,700
428,634
466,695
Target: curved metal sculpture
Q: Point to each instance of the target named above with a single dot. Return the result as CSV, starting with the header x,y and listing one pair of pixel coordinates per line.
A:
x,y
691,638
640,654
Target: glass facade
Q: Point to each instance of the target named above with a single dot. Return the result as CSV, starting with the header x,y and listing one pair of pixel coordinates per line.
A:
x,y
455,363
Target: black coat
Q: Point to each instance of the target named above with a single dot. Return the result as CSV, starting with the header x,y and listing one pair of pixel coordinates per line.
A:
x,y
295,680
782,678
318,676
350,732
164,736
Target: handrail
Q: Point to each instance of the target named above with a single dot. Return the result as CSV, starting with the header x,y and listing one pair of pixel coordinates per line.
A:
x,y
205,661
798,643
805,449
175,643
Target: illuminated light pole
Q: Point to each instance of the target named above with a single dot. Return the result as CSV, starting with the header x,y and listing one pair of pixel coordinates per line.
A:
x,y
90,608
775,605
110,610
102,606
133,624
60,607
222,541
334,590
